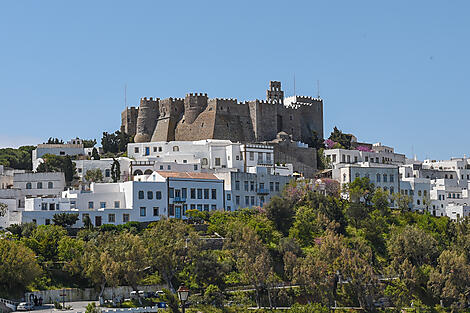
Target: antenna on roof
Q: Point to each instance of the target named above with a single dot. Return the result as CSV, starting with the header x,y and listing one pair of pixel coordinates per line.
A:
x,y
318,89
125,95
294,86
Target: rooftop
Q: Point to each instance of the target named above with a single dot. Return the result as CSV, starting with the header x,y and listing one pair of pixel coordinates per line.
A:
x,y
190,175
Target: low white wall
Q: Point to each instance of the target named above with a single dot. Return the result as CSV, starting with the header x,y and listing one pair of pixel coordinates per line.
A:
x,y
88,294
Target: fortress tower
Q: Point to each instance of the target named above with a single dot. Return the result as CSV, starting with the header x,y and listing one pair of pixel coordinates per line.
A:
x,y
170,112
194,104
196,117
147,119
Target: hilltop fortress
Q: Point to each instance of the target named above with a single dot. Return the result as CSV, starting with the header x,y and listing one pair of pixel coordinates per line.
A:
x,y
197,117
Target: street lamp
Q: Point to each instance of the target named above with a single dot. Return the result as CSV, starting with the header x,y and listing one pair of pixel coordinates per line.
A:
x,y
183,293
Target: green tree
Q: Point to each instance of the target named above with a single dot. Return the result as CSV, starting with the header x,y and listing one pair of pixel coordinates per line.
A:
x,y
281,212
44,241
92,308
450,280
94,154
343,139
115,171
213,296
166,245
89,143
381,201
3,209
20,158
55,163
114,258
115,142
18,266
94,176
65,219
70,251
171,301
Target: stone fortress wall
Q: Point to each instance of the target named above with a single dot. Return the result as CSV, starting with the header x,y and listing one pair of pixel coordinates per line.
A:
x,y
197,117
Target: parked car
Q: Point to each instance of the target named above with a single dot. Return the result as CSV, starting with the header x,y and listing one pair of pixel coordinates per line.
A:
x,y
25,306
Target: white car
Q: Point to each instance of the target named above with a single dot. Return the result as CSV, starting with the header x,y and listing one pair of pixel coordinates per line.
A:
x,y
25,306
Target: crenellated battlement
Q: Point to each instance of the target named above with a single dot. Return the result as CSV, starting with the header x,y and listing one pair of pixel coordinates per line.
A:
x,y
191,117
196,94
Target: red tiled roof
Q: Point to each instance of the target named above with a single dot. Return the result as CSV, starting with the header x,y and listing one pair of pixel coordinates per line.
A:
x,y
187,175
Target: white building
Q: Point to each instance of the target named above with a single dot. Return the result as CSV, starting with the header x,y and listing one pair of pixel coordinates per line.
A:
x,y
104,165
144,200
247,190
72,148
48,184
381,175
379,154
203,156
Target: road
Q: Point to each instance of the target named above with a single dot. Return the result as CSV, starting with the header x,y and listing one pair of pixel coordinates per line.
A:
x,y
76,307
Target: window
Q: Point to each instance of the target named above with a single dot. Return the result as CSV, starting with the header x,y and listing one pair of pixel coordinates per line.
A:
x,y
111,218
355,159
171,192
204,161
171,210
271,186
117,204
252,200
150,195
213,207
48,221
161,167
252,156
367,159
50,185
107,172
419,193
143,211
252,186
217,161
44,206
102,205
199,193
199,207
28,186
159,149
378,178
349,159
158,195
418,202
51,206
260,156
229,197
90,205
176,148
246,185
193,193
193,207
125,217
168,167
277,186
385,178
214,193
237,200
141,194
136,150
425,193
155,211
184,193
195,167
237,185
39,185
206,193
154,149
392,178
247,201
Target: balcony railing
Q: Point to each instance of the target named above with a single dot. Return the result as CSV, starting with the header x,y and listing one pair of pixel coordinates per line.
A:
x,y
179,199
263,191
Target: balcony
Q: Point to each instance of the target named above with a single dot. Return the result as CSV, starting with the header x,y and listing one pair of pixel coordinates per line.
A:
x,y
179,200
263,191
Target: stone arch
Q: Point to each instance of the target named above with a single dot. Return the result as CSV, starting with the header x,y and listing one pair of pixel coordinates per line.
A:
x,y
138,172
148,172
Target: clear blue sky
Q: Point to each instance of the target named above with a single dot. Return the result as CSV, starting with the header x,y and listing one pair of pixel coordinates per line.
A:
x,y
391,71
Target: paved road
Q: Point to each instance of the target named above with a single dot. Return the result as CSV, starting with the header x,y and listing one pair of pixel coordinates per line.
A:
x,y
76,307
